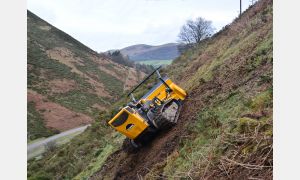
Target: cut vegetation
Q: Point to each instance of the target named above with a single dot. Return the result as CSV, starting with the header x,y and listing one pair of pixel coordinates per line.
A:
x,y
225,127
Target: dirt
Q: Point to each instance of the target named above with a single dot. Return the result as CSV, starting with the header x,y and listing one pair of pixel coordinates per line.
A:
x,y
65,56
98,106
99,87
62,85
123,165
132,78
29,67
132,75
233,75
55,115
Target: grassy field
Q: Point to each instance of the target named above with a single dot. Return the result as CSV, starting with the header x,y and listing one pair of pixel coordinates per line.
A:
x,y
38,151
156,63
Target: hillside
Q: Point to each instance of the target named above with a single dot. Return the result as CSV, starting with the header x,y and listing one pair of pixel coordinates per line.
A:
x,y
68,83
225,127
142,52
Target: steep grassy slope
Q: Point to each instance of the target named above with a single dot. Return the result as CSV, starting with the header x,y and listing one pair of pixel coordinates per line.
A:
x,y
142,52
68,83
225,127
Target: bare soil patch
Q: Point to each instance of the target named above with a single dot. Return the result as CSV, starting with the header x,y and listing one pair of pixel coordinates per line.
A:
x,y
65,56
55,115
62,85
133,78
232,75
101,108
110,72
122,165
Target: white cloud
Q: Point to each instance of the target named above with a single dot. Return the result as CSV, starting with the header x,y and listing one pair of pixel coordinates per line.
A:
x,y
113,24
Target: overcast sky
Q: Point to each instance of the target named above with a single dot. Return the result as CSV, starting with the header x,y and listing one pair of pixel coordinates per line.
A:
x,y
115,24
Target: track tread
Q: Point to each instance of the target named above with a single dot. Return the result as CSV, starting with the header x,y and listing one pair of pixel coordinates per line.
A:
x,y
164,123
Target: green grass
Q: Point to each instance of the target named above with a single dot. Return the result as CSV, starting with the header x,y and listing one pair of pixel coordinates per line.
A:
x,y
35,124
205,137
215,128
156,63
91,147
54,36
79,101
58,142
96,163
85,153
112,84
42,69
35,140
222,117
55,70
102,154
206,133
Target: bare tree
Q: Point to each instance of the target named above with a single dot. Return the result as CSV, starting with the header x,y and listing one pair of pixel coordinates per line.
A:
x,y
193,32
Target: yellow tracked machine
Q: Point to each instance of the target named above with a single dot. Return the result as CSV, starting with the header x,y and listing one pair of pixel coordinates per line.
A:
x,y
156,110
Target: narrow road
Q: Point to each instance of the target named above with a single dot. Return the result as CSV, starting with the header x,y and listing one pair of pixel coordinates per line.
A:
x,y
41,143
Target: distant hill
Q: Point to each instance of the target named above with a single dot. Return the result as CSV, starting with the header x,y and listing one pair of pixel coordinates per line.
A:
x,y
68,83
225,127
142,52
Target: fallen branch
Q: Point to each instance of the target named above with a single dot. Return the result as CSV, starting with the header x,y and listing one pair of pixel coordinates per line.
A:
x,y
248,166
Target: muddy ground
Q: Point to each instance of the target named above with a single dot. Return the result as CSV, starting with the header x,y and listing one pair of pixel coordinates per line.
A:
x,y
231,76
130,165
123,165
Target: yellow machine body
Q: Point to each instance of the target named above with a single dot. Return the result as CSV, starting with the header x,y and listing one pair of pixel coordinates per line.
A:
x,y
130,123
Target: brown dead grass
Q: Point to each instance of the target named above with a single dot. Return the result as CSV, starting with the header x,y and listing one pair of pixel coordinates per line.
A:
x,y
132,78
101,108
62,85
113,73
99,87
65,56
230,76
55,115
29,67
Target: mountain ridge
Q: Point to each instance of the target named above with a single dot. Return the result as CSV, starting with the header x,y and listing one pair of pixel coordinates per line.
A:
x,y
225,128
142,52
68,83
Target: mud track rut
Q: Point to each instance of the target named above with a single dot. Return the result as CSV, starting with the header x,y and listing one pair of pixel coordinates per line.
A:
x,y
122,165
